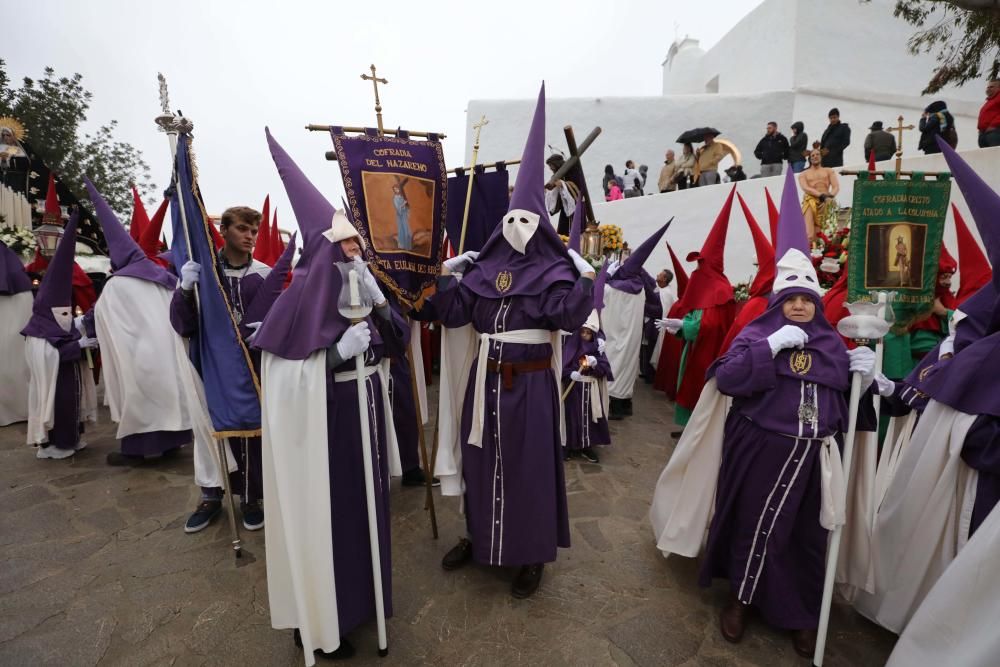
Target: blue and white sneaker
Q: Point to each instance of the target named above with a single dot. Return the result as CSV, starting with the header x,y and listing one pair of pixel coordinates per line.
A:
x,y
203,516
253,515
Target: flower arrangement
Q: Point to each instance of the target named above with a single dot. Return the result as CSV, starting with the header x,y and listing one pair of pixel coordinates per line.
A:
x,y
21,241
741,292
612,237
829,255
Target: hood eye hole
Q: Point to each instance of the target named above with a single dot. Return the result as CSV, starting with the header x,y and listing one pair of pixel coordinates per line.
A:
x,y
809,278
510,220
524,220
790,278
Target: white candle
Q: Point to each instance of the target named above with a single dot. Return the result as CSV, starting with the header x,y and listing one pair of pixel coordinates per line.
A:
x,y
352,278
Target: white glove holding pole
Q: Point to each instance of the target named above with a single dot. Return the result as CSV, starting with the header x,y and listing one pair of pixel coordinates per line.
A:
x,y
253,326
613,267
786,338
460,263
886,387
947,347
576,376
591,361
354,341
863,361
582,265
371,285
86,342
78,323
669,324
190,274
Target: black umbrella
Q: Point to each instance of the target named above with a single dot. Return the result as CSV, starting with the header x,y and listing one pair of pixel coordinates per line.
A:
x,y
697,135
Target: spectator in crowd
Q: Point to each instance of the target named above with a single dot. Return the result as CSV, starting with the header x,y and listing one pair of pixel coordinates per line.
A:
x,y
632,181
735,173
772,151
836,138
880,141
937,120
709,156
798,147
665,183
989,116
644,172
614,192
609,178
685,167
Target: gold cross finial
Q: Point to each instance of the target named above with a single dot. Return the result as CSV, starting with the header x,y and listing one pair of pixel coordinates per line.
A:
x,y
378,105
899,143
478,127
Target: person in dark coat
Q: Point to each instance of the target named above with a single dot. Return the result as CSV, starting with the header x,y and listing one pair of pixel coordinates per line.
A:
x,y
798,146
772,151
936,120
880,141
836,138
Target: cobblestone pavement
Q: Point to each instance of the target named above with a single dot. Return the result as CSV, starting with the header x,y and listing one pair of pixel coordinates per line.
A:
x,y
97,570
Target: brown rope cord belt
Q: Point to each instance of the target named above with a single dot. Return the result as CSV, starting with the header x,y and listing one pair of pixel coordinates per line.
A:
x,y
508,369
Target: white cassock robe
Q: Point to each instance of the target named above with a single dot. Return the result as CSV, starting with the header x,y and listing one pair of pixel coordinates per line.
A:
x,y
150,384
622,320
15,311
667,300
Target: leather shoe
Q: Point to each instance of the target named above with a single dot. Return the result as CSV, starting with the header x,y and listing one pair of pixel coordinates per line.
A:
x,y
459,555
733,621
343,652
527,580
804,642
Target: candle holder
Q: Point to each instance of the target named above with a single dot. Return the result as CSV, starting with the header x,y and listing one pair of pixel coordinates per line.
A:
x,y
869,320
47,237
353,302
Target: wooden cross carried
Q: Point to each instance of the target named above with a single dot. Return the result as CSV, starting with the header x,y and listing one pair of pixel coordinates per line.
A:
x,y
575,152
899,143
378,105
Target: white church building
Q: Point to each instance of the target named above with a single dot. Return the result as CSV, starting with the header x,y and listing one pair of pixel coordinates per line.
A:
x,y
786,61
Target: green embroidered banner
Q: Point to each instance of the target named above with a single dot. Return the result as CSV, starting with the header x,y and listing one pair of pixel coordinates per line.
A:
x,y
896,230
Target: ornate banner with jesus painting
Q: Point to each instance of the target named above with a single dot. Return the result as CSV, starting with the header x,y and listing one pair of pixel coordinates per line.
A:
x,y
397,193
896,232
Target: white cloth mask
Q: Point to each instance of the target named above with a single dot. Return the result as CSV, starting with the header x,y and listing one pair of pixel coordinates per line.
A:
x,y
518,228
64,317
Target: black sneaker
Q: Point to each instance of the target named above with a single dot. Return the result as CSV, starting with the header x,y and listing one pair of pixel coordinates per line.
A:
x,y
459,555
343,652
203,516
527,580
590,455
416,477
253,515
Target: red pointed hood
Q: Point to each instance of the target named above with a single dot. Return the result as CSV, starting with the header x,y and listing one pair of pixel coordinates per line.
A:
x,y
53,212
708,285
140,219
764,280
149,241
772,217
946,263
680,275
974,268
216,236
277,244
264,249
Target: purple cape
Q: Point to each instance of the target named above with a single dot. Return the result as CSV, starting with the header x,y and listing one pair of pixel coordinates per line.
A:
x,y
13,279
304,318
56,291
829,360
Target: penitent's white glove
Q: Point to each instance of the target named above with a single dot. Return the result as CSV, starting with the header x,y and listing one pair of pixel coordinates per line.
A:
x,y
669,324
601,345
190,274
787,337
78,323
371,285
253,326
947,347
583,267
354,341
591,361
576,376
863,361
87,342
613,267
886,387
460,263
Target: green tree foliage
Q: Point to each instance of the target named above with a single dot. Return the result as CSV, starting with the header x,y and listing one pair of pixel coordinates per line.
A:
x,y
965,34
53,109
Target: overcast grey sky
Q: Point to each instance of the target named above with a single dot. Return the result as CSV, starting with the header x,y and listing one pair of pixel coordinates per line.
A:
x,y
234,67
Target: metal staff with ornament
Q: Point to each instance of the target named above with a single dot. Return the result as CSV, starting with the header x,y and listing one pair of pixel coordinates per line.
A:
x,y
869,321
356,304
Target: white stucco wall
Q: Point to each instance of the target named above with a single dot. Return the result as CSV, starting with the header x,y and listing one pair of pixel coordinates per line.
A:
x,y
695,211
637,128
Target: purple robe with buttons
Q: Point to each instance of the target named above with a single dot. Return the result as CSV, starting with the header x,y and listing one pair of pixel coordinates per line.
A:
x,y
765,535
582,432
515,498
